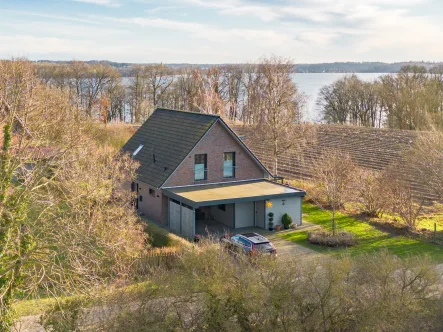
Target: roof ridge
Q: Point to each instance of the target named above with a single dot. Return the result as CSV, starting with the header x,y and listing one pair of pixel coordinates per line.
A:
x,y
188,112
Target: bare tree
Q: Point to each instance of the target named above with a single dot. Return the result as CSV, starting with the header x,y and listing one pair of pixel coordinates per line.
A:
x,y
403,202
333,176
78,72
159,78
335,100
253,101
137,94
185,89
349,100
99,77
62,208
208,98
370,192
281,105
232,77
426,160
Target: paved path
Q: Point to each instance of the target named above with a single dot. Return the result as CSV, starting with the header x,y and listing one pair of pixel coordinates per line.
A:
x,y
287,248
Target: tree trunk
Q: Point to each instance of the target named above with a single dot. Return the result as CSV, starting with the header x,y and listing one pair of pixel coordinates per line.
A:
x,y
275,157
333,222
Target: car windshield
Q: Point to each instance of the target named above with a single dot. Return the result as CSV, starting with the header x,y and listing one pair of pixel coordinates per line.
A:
x,y
265,246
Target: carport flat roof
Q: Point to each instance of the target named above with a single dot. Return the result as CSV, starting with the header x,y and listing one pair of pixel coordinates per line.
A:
x,y
231,192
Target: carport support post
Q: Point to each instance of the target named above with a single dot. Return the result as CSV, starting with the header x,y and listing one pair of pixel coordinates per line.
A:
x,y
193,212
181,217
169,212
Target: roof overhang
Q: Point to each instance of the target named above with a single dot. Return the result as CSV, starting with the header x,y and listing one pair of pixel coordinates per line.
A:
x,y
231,192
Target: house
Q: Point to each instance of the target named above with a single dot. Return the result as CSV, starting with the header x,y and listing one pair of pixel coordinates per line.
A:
x,y
194,168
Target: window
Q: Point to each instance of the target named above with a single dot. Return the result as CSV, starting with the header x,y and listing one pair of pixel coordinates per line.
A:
x,y
245,242
151,192
200,167
229,165
133,186
137,150
141,198
222,207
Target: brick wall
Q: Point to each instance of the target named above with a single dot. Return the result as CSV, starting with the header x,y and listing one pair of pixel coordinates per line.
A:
x,y
152,206
214,144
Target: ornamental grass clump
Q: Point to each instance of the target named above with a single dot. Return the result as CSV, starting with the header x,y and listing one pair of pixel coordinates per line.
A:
x,y
340,239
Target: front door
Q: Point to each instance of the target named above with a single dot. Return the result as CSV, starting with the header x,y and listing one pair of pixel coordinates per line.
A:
x,y
260,214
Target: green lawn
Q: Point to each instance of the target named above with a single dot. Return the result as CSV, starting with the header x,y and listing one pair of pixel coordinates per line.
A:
x,y
369,238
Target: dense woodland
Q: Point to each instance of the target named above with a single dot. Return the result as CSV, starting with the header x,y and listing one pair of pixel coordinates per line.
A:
x,y
237,92
411,99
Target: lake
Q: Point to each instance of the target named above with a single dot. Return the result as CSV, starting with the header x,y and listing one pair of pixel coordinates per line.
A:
x,y
311,83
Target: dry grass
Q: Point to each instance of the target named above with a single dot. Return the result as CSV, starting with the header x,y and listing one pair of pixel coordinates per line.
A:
x,y
114,134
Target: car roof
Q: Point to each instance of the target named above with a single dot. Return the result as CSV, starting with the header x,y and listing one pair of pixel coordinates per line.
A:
x,y
255,238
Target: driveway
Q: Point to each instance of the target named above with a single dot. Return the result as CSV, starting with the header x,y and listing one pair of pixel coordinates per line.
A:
x,y
284,247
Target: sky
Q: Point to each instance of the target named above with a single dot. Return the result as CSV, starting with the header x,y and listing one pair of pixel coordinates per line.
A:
x,y
228,31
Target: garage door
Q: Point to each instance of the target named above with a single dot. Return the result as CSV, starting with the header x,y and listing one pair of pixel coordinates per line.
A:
x,y
174,215
188,221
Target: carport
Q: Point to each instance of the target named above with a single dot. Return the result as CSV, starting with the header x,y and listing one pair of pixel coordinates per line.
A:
x,y
234,204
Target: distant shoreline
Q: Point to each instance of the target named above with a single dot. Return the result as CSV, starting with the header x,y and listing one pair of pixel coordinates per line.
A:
x,y
333,67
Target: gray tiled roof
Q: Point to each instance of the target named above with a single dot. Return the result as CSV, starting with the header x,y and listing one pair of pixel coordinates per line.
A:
x,y
169,135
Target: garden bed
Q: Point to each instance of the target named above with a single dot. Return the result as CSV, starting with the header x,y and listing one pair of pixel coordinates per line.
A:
x,y
326,238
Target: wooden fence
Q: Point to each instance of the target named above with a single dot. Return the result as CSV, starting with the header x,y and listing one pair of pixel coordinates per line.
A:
x,y
159,257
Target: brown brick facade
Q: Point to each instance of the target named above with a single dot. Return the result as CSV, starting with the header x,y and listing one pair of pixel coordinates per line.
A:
x,y
154,207
214,144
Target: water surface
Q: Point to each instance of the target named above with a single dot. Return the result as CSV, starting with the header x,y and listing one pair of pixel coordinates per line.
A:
x,y
311,83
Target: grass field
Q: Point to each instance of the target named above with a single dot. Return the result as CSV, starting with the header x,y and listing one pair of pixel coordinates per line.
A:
x,y
428,221
369,238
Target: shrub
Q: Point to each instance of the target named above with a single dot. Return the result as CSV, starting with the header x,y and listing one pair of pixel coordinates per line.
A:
x,y
403,202
271,219
213,291
286,220
324,238
371,192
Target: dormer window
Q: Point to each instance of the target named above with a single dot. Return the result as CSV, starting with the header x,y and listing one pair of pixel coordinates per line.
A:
x,y
138,150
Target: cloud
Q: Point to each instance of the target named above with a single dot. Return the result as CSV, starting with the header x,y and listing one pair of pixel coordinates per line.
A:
x,y
230,30
264,37
308,10
107,3
52,48
160,9
54,17
261,12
